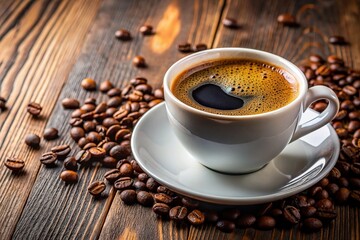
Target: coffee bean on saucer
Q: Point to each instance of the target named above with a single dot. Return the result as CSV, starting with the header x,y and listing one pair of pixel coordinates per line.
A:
x,y
14,164
34,108
32,140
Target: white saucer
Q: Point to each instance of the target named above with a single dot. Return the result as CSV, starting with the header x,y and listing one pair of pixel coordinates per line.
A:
x,y
302,164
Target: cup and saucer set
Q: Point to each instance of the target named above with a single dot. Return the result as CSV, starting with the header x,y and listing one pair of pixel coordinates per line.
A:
x,y
178,146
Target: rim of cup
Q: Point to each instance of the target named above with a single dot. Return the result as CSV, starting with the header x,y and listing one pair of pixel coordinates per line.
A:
x,y
246,53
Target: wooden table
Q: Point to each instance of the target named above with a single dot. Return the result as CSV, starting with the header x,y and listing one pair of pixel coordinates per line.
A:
x,y
48,47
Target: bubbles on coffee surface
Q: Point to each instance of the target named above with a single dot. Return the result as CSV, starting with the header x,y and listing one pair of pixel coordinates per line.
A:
x,y
235,87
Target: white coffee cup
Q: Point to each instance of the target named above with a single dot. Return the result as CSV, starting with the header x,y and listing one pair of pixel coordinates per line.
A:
x,y
243,144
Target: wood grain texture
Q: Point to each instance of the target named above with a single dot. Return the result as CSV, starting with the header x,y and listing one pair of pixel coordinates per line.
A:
x,y
36,39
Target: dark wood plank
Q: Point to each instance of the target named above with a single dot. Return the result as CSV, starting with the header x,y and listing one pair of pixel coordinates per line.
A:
x,y
36,39
54,210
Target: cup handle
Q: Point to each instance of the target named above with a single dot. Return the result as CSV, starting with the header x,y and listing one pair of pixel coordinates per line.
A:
x,y
313,94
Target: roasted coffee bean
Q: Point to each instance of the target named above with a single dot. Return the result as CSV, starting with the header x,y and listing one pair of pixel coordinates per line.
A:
x,y
246,220
114,101
337,40
159,93
350,90
139,186
32,140
88,107
89,145
88,84
276,213
287,19
355,168
315,57
34,108
324,203
97,152
225,226
119,136
69,176
124,183
126,170
342,195
189,202
83,157
155,102
162,198
76,122
108,146
184,47
326,214
51,133
89,126
136,166
146,30
307,211
151,184
355,196
120,152
265,222
2,104
323,70
82,142
109,122
128,196
105,86
353,126
48,158
112,175
211,216
14,164
123,35
76,133
96,188
178,213
355,182
291,214
70,164
109,162
94,137
139,61
61,151
145,198
144,177
343,182
144,88
230,214
230,23
161,209
196,217
200,47
70,103
332,188
138,80
311,225
114,92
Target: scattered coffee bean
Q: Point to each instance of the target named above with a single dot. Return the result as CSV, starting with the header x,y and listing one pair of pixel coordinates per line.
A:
x,y
34,108
51,133
139,62
69,176
196,217
61,151
246,220
161,209
105,86
326,214
48,158
112,175
14,164
88,84
70,163
265,222
225,226
123,183
230,23
337,40
128,196
32,140
146,30
311,225
184,47
178,213
70,103
287,20
200,47
144,198
123,35
96,188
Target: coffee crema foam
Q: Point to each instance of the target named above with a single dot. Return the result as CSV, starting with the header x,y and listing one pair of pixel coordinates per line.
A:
x,y
261,86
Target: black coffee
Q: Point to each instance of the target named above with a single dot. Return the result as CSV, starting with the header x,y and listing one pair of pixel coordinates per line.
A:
x,y
235,87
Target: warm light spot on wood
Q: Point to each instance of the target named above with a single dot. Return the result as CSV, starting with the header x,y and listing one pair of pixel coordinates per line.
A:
x,y
167,30
128,234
